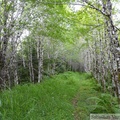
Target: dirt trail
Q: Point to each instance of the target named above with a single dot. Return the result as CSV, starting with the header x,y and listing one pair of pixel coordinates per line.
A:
x,y
75,104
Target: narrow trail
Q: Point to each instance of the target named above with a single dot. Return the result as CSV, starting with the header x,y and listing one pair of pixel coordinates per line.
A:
x,y
75,104
80,101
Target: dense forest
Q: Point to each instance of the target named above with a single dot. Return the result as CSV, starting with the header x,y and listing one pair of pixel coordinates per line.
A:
x,y
41,39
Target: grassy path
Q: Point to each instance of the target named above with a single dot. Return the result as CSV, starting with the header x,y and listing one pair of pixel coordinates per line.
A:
x,y
86,90
66,96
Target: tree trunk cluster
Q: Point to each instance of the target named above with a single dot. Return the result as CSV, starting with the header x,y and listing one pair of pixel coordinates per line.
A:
x,y
105,53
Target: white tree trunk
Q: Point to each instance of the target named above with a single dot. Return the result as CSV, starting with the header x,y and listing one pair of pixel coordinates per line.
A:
x,y
40,58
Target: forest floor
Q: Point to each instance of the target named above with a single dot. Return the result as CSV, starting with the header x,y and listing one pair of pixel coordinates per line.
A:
x,y
67,96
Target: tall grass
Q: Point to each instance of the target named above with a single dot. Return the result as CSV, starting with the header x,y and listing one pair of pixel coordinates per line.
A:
x,y
51,99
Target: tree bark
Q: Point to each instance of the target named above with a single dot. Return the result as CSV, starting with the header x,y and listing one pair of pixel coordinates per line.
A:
x,y
31,69
114,43
40,58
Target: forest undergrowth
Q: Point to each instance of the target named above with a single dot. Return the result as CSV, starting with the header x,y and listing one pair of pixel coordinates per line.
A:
x,y
66,96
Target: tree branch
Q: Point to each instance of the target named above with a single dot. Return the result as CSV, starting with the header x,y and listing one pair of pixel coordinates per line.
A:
x,y
93,7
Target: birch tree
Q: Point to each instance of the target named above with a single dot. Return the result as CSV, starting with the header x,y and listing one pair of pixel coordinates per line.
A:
x,y
10,13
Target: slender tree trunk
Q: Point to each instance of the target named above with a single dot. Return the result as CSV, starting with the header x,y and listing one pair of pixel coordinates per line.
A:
x,y
9,79
31,69
40,58
16,82
102,61
48,64
22,53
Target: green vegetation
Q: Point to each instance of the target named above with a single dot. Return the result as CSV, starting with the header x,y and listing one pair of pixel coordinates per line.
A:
x,y
42,41
66,96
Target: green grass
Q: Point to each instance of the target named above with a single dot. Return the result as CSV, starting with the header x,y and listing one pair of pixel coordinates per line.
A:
x,y
54,99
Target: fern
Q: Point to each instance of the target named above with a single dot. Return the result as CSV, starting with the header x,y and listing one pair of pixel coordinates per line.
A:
x,y
106,103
